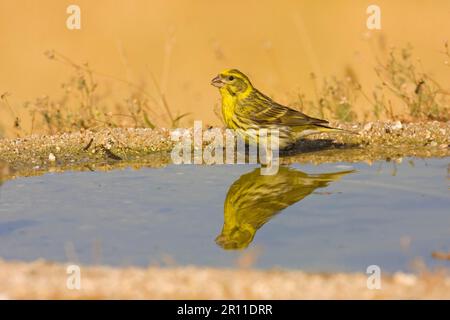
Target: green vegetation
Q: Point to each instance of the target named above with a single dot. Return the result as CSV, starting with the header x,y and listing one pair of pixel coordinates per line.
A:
x,y
402,83
82,105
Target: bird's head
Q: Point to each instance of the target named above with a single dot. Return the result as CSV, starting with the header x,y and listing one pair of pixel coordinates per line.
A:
x,y
239,237
233,82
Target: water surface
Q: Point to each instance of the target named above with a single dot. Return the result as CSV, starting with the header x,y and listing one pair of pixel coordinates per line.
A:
x,y
331,217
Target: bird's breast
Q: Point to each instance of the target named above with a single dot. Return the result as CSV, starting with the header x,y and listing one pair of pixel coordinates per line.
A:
x,y
228,106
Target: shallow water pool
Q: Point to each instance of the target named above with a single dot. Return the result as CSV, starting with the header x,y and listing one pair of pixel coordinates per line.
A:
x,y
330,217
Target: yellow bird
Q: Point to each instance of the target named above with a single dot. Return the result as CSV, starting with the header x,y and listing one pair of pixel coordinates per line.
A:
x,y
244,107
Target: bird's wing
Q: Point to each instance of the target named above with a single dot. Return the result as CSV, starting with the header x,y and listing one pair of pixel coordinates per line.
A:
x,y
264,110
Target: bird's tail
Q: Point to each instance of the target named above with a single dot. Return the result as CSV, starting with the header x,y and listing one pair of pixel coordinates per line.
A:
x,y
333,176
325,128
319,128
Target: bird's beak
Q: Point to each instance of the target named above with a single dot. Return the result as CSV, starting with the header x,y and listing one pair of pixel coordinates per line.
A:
x,y
217,82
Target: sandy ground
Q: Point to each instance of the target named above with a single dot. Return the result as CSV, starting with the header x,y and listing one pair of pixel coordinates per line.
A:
x,y
45,280
114,148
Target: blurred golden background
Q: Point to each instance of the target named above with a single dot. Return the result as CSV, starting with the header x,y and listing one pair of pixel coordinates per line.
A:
x,y
183,44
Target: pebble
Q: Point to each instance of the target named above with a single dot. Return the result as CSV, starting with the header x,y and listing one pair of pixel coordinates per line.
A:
x,y
397,125
51,157
367,126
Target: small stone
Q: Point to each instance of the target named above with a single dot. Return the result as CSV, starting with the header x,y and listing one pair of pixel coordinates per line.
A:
x,y
367,126
397,125
51,157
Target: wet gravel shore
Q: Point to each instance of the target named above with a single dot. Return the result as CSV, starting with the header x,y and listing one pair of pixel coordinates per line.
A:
x,y
110,148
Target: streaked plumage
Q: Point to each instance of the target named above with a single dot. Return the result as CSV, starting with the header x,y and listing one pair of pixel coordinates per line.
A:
x,y
244,107
254,199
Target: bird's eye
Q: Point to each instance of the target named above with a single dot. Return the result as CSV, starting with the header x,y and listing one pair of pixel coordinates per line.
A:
x,y
230,78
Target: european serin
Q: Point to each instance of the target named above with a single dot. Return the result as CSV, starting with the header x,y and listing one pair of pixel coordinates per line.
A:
x,y
244,107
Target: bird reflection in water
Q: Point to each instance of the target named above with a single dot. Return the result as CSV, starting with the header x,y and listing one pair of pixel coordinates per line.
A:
x,y
254,199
